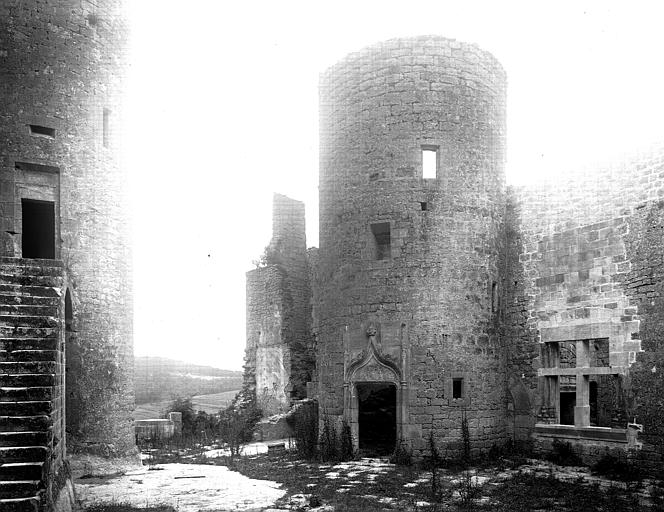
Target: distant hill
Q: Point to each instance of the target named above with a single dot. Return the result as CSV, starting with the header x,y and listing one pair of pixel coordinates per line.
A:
x,y
158,378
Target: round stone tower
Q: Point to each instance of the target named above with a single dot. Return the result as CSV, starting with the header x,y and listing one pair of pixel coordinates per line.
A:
x,y
63,210
412,152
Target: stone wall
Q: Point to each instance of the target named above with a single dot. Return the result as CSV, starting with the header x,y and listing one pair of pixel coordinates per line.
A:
x,y
278,361
62,69
407,264
590,256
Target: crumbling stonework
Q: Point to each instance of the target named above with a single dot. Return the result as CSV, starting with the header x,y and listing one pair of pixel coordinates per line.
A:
x,y
442,299
279,357
66,349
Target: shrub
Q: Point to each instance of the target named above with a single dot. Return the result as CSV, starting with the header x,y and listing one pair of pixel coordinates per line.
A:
x,y
563,454
617,468
238,421
403,455
303,421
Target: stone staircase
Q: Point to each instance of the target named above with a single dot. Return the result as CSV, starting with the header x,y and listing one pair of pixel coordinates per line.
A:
x,y
29,337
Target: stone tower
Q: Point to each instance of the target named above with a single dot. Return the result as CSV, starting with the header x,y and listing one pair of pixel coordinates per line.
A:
x,y
412,151
279,359
65,283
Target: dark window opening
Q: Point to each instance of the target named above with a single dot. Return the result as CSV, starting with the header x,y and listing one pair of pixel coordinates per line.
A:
x,y
381,233
42,131
429,162
377,417
38,235
424,206
106,127
457,388
567,398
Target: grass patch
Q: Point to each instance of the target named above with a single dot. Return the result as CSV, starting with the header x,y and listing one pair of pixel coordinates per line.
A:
x,y
532,492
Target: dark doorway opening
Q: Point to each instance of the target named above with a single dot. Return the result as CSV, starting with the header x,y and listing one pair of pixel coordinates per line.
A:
x,y
377,417
38,229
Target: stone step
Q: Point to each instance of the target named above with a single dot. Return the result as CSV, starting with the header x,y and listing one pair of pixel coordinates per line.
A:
x,y
31,269
39,423
25,423
27,380
15,471
8,277
27,408
25,394
30,291
23,331
26,343
20,505
29,321
23,454
19,489
29,310
24,367
30,262
28,300
28,355
24,438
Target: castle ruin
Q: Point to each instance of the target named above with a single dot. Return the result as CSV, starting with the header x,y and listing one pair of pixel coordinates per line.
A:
x,y
442,298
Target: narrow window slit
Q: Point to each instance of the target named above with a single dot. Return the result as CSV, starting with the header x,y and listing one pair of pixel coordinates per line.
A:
x,y
42,131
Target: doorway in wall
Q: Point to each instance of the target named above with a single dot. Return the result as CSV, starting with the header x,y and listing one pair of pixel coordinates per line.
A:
x,y
377,417
38,229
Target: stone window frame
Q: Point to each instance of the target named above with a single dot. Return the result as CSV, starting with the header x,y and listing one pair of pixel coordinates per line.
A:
x,y
551,373
464,401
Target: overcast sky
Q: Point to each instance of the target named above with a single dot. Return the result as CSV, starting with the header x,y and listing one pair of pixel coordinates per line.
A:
x,y
222,101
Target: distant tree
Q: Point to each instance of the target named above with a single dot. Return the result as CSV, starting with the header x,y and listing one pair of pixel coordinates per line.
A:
x,y
184,406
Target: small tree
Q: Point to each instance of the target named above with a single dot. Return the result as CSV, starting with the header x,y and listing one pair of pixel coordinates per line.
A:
x,y
238,421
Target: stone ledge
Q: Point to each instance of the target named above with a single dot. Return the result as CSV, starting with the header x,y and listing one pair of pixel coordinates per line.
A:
x,y
616,435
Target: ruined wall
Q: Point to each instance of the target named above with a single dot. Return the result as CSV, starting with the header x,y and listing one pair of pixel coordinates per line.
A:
x,y
278,361
62,69
589,266
407,265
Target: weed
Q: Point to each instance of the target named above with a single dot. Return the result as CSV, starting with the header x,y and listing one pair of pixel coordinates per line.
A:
x,y
346,452
465,435
403,455
329,448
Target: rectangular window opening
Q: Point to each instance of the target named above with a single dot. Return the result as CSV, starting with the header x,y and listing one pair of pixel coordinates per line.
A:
x,y
38,229
383,244
567,399
429,162
457,388
424,206
106,127
42,131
